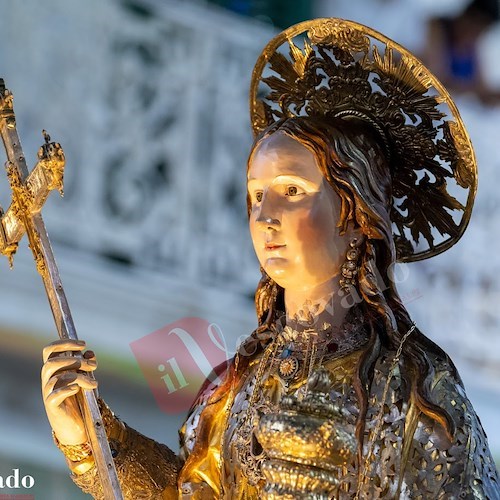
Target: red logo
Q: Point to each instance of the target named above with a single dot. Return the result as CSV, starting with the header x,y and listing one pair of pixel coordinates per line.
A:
x,y
177,359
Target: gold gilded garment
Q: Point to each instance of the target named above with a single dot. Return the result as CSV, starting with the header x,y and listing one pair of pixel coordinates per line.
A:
x,y
405,454
146,469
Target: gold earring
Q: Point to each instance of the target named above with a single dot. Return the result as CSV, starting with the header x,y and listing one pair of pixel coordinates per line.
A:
x,y
349,268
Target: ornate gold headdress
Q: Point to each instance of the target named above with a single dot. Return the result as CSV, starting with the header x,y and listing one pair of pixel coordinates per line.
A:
x,y
337,68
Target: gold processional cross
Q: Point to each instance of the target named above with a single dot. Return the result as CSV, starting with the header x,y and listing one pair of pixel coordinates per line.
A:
x,y
29,192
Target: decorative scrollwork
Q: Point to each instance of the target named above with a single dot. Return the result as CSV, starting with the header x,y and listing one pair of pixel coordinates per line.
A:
x,y
344,35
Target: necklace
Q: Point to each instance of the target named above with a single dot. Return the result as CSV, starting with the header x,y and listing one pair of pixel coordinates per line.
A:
x,y
299,350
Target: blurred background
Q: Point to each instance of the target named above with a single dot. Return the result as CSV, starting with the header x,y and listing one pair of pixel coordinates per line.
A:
x,y
149,100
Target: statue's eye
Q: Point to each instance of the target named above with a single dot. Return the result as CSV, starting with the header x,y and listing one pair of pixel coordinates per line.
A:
x,y
292,191
258,196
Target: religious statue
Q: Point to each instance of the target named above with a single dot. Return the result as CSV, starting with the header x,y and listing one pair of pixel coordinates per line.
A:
x,y
360,160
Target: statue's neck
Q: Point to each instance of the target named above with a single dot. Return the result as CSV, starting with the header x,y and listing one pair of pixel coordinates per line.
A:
x,y
315,306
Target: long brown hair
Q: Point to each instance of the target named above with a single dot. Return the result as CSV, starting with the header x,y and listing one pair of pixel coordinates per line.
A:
x,y
348,154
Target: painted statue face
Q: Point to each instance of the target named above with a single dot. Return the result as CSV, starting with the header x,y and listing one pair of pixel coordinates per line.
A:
x,y
294,214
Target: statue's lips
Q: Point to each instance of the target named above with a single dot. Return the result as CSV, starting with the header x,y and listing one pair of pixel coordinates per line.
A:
x,y
271,247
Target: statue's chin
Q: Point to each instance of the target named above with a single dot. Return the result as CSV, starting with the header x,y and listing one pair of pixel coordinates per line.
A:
x,y
278,269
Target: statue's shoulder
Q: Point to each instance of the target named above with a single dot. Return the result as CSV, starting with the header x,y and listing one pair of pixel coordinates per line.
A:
x,y
443,379
445,376
205,396
470,466
212,382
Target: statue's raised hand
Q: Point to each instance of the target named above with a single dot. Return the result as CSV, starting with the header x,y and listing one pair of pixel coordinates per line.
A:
x,y
63,376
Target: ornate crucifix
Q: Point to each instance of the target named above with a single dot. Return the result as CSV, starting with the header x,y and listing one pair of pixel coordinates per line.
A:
x,y
29,192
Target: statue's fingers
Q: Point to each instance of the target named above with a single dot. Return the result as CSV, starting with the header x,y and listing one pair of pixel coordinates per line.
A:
x,y
60,380
66,379
89,355
59,364
62,345
54,365
58,396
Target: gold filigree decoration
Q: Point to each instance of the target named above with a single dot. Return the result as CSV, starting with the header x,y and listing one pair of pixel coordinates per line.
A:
x,y
348,69
345,35
22,199
22,207
51,156
463,162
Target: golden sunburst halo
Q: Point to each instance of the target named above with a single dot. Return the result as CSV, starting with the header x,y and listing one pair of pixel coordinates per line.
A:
x,y
434,169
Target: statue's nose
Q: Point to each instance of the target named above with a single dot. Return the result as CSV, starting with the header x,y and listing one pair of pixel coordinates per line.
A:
x,y
268,223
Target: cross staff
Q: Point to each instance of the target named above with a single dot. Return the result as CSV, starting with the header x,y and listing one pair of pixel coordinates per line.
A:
x,y
29,192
